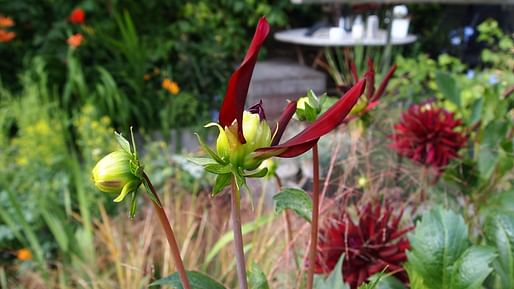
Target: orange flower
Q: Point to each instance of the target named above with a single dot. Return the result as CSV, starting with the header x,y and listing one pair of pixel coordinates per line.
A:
x,y
6,36
77,16
171,86
6,21
147,76
75,40
24,254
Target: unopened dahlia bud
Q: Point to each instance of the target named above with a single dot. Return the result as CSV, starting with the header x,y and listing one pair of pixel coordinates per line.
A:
x,y
114,174
257,134
308,107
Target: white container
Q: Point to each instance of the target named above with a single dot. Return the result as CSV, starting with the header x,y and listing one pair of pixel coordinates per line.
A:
x,y
358,28
400,28
336,33
372,27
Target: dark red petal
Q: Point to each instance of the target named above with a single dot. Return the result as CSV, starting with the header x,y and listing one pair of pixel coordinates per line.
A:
x,y
334,116
371,79
237,90
284,119
384,83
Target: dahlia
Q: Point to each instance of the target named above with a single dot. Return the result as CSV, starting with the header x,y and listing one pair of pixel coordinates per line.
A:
x,y
429,135
373,244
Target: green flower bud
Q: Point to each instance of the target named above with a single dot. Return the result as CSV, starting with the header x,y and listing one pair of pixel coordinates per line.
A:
x,y
308,107
257,134
113,174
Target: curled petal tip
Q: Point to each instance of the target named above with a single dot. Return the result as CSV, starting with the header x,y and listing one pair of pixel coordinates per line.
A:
x,y
237,90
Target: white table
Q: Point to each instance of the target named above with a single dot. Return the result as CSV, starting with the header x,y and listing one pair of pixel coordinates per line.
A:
x,y
321,39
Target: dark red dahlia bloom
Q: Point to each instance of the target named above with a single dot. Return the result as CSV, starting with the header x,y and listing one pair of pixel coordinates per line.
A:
x,y
77,16
373,244
428,135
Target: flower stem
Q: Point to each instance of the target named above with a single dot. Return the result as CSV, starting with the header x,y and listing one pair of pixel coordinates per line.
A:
x,y
175,252
238,235
315,217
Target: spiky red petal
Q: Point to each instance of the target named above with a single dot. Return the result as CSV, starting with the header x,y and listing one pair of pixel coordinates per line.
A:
x,y
237,90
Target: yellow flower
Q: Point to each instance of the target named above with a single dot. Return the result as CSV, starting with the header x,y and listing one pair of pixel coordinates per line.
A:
x,y
24,254
170,86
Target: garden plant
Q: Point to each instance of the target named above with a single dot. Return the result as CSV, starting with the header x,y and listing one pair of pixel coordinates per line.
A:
x,y
401,176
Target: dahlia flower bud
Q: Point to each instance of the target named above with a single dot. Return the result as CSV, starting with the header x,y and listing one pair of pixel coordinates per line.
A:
x,y
308,107
257,134
115,174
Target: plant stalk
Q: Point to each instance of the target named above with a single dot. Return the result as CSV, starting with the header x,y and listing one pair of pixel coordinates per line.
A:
x,y
315,217
235,214
175,252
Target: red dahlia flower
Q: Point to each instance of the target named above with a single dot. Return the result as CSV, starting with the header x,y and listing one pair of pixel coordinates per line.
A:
x,y
77,16
428,135
231,113
373,244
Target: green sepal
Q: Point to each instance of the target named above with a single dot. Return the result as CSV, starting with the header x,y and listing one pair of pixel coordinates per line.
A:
x,y
207,149
258,174
133,205
218,169
241,183
240,179
295,199
221,182
123,142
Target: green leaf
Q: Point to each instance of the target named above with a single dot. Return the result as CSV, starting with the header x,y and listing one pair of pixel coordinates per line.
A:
x,y
123,142
387,282
499,233
448,86
502,202
476,111
334,279
221,182
470,271
295,199
257,278
441,257
197,280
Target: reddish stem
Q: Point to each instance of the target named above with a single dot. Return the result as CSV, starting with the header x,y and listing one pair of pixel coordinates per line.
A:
x,y
238,235
315,217
175,252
